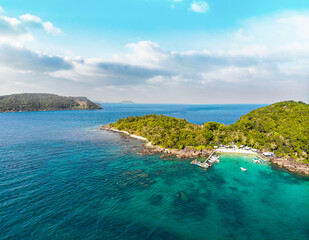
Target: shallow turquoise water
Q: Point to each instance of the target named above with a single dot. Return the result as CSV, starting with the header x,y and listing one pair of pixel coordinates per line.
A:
x,y
61,178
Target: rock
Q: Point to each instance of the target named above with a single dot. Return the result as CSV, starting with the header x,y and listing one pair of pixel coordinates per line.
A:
x,y
133,172
144,184
179,153
182,195
142,175
292,166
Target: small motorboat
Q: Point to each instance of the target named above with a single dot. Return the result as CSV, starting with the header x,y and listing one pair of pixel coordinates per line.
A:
x,y
214,159
203,165
243,169
256,160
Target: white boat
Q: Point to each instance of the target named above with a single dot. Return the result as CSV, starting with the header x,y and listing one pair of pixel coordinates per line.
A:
x,y
256,160
243,169
214,158
203,165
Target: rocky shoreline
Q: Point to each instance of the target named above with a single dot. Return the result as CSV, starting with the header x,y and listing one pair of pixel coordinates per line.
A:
x,y
290,165
179,153
151,149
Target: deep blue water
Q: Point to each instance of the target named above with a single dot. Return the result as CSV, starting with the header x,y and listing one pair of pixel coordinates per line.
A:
x,y
61,178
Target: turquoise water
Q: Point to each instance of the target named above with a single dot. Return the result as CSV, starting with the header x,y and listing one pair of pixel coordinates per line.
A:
x,y
61,178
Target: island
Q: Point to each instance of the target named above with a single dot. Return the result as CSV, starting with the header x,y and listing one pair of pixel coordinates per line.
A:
x,y
27,102
280,131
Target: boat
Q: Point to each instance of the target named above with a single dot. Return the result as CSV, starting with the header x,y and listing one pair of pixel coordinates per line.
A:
x,y
243,169
258,160
203,165
214,159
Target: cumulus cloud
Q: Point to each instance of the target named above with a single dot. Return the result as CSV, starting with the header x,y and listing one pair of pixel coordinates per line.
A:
x,y
126,74
20,58
34,21
199,6
28,18
11,26
19,29
50,28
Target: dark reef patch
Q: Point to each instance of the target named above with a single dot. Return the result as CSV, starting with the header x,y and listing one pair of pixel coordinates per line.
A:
x,y
191,205
156,200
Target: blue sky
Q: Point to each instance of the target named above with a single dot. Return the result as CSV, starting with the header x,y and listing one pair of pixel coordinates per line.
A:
x,y
137,49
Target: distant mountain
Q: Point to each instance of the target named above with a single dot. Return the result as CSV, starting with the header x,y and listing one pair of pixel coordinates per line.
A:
x,y
44,102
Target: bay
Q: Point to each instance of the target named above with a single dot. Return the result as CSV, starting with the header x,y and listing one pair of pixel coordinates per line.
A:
x,y
62,178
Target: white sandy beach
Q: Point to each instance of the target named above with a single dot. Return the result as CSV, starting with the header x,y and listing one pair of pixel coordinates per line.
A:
x,y
131,135
235,150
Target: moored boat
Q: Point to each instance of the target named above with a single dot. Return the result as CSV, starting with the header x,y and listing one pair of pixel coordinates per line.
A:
x,y
203,165
243,169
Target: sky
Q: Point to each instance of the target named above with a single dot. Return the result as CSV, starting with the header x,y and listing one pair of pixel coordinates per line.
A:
x,y
157,51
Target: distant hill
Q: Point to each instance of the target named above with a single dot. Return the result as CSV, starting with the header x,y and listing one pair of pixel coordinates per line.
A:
x,y
44,102
282,128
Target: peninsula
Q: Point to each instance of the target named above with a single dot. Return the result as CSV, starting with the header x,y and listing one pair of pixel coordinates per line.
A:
x,y
27,102
281,128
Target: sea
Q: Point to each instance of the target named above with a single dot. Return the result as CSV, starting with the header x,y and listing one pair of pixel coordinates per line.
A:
x,y
62,178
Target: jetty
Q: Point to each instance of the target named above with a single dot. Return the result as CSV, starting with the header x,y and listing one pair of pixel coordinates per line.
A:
x,y
210,156
208,162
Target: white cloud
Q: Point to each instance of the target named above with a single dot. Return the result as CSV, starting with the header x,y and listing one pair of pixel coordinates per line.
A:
x,y
199,6
19,58
50,28
1,10
30,18
12,30
17,30
34,21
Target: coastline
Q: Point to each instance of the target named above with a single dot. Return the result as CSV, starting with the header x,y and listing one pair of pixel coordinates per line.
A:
x,y
290,165
124,132
151,149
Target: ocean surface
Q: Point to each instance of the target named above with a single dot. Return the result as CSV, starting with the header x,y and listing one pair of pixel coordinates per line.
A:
x,y
62,178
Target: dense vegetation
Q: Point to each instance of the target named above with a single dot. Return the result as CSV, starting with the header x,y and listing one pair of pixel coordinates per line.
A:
x,y
281,127
43,102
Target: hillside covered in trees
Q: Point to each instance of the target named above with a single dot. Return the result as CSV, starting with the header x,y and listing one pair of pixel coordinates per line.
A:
x,y
281,127
43,102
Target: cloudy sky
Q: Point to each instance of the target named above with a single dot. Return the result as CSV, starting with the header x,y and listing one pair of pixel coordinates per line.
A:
x,y
157,51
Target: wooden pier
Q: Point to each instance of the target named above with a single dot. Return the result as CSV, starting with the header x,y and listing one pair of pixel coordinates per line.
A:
x,y
210,156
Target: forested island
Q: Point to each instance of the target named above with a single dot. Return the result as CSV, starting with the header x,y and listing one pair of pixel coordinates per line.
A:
x,y
44,102
282,128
